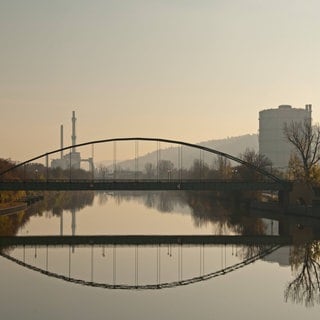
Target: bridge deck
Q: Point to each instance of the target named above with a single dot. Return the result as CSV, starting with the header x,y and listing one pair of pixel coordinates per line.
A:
x,y
144,240
118,185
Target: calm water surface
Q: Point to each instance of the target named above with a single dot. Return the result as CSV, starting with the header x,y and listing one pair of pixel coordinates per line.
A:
x,y
219,282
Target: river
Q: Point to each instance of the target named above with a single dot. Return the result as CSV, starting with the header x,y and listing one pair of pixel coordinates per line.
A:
x,y
164,281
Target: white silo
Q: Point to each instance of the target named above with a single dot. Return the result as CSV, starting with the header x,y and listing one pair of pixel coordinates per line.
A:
x,y
272,141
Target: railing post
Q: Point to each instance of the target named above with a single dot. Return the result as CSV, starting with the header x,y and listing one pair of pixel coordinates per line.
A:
x,y
180,163
136,159
114,160
70,166
92,163
47,167
158,160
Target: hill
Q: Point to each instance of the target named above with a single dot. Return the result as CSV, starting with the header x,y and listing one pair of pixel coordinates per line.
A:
x,y
231,145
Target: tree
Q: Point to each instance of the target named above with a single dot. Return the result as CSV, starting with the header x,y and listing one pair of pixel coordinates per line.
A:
x,y
223,167
150,170
295,169
256,159
305,288
199,170
165,168
305,139
9,197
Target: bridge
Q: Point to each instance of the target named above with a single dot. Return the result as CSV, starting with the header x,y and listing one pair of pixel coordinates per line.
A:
x,y
173,178
143,185
167,266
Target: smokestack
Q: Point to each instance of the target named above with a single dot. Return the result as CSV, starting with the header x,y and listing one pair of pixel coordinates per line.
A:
x,y
73,138
61,140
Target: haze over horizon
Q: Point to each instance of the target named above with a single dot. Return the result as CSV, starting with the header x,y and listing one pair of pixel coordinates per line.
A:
x,y
191,71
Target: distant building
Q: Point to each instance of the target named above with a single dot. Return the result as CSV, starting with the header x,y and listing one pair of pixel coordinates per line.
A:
x,y
272,141
72,160
280,256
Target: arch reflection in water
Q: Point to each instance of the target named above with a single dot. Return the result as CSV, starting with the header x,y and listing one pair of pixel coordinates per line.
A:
x,y
137,267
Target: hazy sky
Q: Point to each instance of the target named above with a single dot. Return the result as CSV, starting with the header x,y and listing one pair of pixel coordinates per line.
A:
x,y
180,69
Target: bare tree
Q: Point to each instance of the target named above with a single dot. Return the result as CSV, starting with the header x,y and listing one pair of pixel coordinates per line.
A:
x,y
306,141
305,288
256,159
223,167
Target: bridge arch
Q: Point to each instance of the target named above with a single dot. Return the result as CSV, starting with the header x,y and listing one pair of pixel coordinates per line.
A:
x,y
154,286
177,142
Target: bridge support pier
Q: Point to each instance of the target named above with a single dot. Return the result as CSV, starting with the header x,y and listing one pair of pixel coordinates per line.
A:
x,y
284,198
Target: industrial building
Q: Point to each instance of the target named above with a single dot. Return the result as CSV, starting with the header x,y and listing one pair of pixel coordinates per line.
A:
x,y
73,158
272,142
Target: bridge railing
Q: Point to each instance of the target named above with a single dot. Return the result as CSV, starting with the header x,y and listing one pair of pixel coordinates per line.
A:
x,y
145,185
141,180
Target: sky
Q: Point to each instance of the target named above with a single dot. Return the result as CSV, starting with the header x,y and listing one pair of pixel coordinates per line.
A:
x,y
178,69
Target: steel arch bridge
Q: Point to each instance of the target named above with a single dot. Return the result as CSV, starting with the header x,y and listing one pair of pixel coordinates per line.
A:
x,y
154,286
274,183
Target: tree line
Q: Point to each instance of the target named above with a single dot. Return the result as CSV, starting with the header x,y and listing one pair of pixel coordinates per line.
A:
x,y
220,168
33,171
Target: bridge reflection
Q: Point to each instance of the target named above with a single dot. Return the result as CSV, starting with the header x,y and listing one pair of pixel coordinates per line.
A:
x,y
136,267
146,240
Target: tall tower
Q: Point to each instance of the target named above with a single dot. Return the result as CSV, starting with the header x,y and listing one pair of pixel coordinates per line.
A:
x,y
73,137
272,141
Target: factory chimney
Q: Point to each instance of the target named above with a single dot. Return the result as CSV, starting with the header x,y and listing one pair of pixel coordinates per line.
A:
x,y
61,140
73,137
